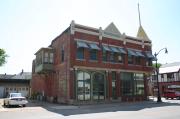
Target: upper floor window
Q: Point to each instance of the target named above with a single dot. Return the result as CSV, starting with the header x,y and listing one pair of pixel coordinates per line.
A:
x,y
170,75
80,49
105,50
130,59
112,57
62,54
93,51
150,58
162,75
149,62
131,55
80,53
46,57
38,58
51,58
120,58
138,60
93,54
104,55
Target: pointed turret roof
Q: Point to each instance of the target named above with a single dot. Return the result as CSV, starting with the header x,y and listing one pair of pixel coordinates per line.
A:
x,y
142,34
111,28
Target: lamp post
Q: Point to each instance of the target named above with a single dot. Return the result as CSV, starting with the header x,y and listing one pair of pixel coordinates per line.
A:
x,y
157,73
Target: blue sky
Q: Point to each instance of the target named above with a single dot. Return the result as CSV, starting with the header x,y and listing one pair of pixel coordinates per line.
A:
x,y
27,25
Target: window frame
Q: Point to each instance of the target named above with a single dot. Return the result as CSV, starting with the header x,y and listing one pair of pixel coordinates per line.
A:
x,y
80,53
93,54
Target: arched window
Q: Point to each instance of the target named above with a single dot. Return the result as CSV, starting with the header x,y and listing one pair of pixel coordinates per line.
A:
x,y
83,86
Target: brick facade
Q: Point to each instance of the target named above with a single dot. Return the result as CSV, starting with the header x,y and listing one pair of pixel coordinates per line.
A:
x,y
60,83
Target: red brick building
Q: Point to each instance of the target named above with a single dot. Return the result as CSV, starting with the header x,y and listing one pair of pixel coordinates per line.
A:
x,y
86,65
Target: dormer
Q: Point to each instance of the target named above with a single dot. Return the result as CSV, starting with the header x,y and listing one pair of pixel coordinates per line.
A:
x,y
111,30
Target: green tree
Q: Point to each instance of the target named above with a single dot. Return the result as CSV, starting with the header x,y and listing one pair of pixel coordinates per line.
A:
x,y
158,65
3,57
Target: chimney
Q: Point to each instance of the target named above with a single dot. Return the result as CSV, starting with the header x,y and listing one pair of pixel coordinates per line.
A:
x,y
22,71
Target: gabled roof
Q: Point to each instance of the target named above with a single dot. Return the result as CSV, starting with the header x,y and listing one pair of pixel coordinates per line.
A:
x,y
169,68
170,64
6,76
23,75
112,29
142,34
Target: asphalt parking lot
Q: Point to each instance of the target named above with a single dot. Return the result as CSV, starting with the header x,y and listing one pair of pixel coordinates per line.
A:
x,y
140,110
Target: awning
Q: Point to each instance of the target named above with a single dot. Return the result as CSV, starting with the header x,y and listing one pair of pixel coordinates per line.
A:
x,y
81,44
149,55
139,53
122,50
131,52
114,49
94,46
105,47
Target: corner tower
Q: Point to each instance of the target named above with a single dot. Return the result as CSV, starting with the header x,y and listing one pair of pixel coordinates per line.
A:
x,y
141,32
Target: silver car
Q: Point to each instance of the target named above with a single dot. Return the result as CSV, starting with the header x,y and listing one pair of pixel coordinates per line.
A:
x,y
15,99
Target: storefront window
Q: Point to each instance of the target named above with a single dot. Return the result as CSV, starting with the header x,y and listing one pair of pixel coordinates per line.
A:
x,y
132,83
139,84
114,85
127,83
83,82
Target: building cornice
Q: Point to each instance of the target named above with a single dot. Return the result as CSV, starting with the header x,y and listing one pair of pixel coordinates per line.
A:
x,y
108,69
103,34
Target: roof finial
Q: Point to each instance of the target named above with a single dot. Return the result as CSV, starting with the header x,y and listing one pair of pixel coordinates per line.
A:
x,y
139,15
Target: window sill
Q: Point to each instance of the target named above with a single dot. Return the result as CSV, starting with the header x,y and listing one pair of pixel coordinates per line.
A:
x,y
116,63
80,59
135,65
93,60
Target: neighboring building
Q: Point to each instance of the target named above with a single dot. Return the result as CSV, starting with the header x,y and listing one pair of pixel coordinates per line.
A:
x,y
15,83
169,77
86,65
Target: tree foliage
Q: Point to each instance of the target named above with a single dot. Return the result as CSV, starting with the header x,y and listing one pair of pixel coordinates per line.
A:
x,y
3,57
158,65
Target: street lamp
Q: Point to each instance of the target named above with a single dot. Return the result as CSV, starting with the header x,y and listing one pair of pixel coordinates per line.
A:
x,y
157,73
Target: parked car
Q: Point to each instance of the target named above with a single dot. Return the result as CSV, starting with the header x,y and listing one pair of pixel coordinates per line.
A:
x,y
172,94
15,99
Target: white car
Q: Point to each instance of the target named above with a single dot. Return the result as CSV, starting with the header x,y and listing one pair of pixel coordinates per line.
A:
x,y
15,99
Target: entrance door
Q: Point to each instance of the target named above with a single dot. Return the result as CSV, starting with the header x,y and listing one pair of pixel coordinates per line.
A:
x,y
98,86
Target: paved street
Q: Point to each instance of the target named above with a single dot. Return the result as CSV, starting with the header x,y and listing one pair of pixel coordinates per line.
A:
x,y
144,110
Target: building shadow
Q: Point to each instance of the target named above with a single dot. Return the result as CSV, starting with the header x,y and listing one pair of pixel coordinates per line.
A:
x,y
68,110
